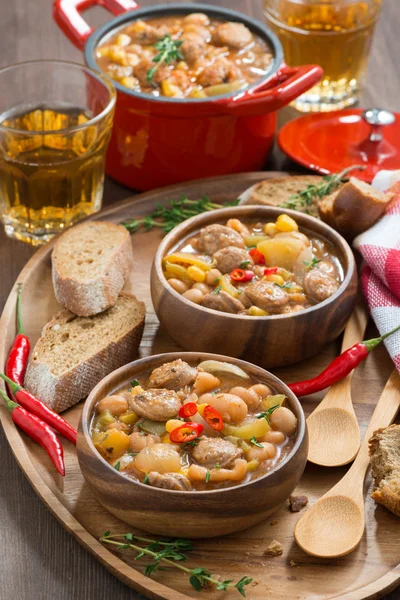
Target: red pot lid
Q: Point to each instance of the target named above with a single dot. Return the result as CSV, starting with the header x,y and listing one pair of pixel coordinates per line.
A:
x,y
330,142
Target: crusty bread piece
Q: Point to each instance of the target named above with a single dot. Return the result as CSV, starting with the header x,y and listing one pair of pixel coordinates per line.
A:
x,y
353,208
75,353
384,450
91,263
277,190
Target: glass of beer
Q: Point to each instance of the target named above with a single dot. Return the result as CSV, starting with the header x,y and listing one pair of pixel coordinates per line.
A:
x,y
335,34
55,125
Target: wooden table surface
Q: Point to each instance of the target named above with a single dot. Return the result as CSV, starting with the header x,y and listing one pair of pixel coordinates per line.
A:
x,y
40,561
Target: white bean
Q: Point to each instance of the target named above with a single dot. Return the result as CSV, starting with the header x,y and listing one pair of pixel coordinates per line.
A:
x,y
282,419
195,296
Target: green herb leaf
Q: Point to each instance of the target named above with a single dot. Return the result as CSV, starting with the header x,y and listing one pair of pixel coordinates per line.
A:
x,y
254,441
284,286
208,476
106,534
241,583
217,289
245,264
118,465
195,582
146,478
267,413
217,466
168,52
328,184
134,383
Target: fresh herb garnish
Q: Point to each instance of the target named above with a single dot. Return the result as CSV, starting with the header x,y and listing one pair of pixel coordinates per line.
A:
x,y
168,52
217,466
134,383
208,476
267,413
191,444
245,264
118,465
217,289
167,217
319,190
312,264
284,286
254,441
173,553
146,478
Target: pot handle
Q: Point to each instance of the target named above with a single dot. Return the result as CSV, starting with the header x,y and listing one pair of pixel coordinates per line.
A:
x,y
66,14
286,85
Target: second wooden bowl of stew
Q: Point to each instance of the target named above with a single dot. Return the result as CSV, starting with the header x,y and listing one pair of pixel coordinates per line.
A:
x,y
195,511
270,341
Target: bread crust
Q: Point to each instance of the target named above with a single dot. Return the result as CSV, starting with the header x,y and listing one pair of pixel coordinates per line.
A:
x,y
277,190
384,450
87,298
62,392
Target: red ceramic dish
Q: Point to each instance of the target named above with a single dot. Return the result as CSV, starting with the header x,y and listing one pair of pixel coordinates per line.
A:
x,y
160,141
330,142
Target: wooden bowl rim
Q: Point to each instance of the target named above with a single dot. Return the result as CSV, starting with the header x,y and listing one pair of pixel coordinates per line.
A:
x,y
146,363
181,230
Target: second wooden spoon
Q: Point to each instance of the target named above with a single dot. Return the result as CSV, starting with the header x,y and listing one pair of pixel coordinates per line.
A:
x,y
334,435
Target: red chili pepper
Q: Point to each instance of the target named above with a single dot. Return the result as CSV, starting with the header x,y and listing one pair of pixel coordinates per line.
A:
x,y
339,368
270,271
240,275
213,418
18,356
188,410
257,256
186,433
38,431
39,409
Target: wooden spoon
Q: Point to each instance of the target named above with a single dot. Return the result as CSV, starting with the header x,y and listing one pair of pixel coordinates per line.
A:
x,y
334,435
335,524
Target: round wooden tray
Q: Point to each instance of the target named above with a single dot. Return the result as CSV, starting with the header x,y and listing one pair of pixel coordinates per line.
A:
x,y
369,572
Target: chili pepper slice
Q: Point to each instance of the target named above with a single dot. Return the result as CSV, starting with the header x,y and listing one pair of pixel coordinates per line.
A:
x,y
257,256
17,359
270,271
38,431
340,367
186,433
240,275
40,410
213,418
188,410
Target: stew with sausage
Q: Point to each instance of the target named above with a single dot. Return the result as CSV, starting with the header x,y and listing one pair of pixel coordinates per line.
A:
x,y
192,56
254,269
194,427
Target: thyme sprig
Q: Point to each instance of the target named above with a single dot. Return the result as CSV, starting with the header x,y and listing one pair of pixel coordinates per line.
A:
x,y
171,552
312,264
267,413
167,217
168,52
319,190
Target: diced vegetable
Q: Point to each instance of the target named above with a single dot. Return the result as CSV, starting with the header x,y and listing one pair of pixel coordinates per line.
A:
x,y
253,240
176,271
281,251
270,229
253,465
217,366
240,275
129,418
172,424
155,427
114,444
275,278
170,90
186,433
105,418
256,428
224,88
186,258
271,401
213,418
286,223
227,287
254,311
196,274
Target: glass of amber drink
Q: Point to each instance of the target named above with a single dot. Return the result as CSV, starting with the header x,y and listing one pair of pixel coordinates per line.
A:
x,y
55,125
335,34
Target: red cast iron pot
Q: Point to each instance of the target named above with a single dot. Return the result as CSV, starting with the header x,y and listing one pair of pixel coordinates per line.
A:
x,y
160,141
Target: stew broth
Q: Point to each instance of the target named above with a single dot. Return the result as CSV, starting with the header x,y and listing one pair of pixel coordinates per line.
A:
x,y
190,56
186,427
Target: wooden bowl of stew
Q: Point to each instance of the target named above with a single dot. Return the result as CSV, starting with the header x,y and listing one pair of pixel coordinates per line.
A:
x,y
263,320
221,483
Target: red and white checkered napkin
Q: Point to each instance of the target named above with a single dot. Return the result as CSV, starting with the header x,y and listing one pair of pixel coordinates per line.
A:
x,y
380,272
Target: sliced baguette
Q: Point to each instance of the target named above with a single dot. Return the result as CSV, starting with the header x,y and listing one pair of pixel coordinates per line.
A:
x,y
90,265
384,450
278,190
354,208
75,353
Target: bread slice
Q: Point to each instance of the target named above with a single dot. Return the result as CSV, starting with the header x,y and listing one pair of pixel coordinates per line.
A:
x,y
384,450
75,353
90,264
355,207
278,190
